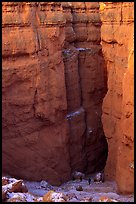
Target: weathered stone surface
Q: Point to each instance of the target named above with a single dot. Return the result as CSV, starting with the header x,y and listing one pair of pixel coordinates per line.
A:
x,y
14,190
58,63
106,199
78,175
117,34
50,80
68,193
23,197
125,161
91,68
13,185
16,187
79,188
34,101
5,180
86,26
4,195
52,196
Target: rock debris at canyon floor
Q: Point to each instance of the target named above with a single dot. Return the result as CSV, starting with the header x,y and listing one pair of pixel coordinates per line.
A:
x,y
68,90
67,192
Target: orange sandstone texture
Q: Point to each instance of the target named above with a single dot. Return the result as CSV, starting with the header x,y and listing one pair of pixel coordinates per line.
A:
x,y
117,33
35,131
58,61
52,90
125,161
86,85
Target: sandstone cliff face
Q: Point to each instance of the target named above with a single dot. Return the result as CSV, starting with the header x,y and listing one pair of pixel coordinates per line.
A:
x,y
35,131
52,89
58,62
85,84
117,34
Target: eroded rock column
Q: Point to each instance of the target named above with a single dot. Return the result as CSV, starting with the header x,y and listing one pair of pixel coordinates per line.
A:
x,y
86,85
75,111
117,33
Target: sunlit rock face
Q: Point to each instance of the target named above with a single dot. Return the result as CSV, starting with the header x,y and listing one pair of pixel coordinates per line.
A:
x,y
59,61
117,34
52,90
35,130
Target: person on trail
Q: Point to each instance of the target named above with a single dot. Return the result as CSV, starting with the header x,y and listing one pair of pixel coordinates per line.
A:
x,y
89,181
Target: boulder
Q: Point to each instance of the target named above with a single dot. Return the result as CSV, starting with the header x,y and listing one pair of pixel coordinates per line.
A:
x,y
53,196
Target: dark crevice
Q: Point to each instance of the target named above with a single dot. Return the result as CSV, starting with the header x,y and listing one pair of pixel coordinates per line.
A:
x,y
35,102
85,113
104,151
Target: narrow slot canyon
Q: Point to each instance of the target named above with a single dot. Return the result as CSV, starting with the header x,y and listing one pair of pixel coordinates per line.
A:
x,y
68,93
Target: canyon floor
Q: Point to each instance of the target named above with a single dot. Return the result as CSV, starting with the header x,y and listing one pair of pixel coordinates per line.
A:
x,y
92,192
14,190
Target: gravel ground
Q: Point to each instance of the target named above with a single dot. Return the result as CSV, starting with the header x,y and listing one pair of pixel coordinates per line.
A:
x,y
92,192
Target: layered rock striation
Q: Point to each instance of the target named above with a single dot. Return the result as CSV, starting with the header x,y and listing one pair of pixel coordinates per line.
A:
x,y
35,131
52,89
59,61
117,35
85,84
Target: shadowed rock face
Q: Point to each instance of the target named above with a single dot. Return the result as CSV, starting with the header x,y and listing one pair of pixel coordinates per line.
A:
x,y
85,75
54,79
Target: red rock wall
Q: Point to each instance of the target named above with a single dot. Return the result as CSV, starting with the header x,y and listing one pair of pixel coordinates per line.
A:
x,y
35,131
117,33
52,90
56,59
85,84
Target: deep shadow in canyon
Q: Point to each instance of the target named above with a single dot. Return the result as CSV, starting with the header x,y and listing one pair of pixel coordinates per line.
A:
x,y
86,86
